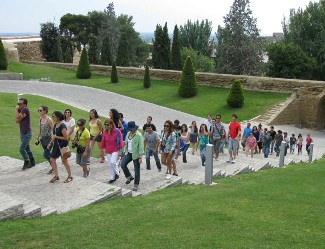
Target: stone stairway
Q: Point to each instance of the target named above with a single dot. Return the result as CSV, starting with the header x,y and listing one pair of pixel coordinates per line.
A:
x,y
26,194
266,117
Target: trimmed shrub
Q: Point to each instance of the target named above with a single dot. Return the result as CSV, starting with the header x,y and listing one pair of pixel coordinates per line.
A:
x,y
146,80
188,85
83,71
114,76
3,59
235,97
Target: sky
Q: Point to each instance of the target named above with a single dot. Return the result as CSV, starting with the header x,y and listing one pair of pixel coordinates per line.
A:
x,y
27,15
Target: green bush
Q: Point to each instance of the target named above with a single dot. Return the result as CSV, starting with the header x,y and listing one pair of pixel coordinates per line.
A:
x,y
146,80
3,59
188,85
235,97
83,71
114,76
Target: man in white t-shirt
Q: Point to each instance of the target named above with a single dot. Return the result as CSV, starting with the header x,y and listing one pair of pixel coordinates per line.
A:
x,y
208,123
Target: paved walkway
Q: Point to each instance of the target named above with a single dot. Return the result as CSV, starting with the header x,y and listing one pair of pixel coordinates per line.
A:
x,y
63,197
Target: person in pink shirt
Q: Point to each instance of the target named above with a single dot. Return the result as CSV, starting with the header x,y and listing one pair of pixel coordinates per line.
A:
x,y
112,142
309,140
250,144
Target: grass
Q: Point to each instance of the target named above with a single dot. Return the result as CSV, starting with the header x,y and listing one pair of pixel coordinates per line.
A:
x,y
10,130
277,208
210,100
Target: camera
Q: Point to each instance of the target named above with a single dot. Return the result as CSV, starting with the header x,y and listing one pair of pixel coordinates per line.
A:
x,y
74,145
37,142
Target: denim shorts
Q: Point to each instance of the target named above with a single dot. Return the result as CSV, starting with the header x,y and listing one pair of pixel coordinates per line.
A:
x,y
98,139
82,160
233,145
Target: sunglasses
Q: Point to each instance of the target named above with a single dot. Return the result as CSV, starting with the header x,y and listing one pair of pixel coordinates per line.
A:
x,y
40,110
166,125
79,124
107,124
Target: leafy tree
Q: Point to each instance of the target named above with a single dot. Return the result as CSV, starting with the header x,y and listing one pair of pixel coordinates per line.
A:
x,y
235,97
146,80
289,61
161,48
96,19
49,34
67,50
3,58
196,35
306,29
114,75
201,62
176,61
83,70
239,47
122,58
188,85
106,54
93,50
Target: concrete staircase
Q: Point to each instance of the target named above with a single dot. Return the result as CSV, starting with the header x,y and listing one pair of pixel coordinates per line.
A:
x,y
266,117
27,194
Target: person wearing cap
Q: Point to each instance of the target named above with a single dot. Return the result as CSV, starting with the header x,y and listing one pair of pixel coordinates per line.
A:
x,y
133,151
233,137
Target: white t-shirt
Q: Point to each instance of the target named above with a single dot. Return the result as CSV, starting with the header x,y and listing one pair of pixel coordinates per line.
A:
x,y
69,124
208,124
130,145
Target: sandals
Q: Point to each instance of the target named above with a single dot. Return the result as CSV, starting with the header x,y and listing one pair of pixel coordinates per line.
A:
x,y
54,179
69,179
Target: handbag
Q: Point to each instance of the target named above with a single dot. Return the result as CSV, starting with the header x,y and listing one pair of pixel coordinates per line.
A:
x,y
80,149
65,152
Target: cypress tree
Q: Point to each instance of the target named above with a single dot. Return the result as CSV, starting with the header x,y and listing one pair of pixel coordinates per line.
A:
x,y
106,52
122,58
157,60
166,48
93,50
235,97
176,51
188,85
114,75
83,71
146,80
3,58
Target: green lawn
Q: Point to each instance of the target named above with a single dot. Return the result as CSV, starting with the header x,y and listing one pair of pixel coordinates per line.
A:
x,y
210,100
10,130
277,208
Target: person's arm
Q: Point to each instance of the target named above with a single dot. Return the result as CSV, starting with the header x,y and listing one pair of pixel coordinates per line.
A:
x,y
38,131
120,125
141,147
20,115
87,147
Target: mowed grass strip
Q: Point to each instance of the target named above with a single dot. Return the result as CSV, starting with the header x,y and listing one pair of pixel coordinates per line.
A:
x,y
276,208
210,100
10,130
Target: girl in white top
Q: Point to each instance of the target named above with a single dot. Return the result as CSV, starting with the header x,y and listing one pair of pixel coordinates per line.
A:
x,y
185,137
70,123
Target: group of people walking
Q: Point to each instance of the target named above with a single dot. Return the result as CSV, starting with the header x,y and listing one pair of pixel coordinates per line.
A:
x,y
123,140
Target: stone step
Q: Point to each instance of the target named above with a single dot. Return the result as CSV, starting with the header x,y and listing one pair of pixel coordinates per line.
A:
x,y
48,211
10,208
32,210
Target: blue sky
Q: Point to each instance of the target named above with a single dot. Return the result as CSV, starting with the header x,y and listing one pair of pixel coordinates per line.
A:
x,y
26,15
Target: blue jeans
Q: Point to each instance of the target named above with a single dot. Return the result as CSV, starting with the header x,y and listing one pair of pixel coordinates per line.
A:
x,y
266,151
24,147
277,148
186,146
46,153
202,154
149,152
124,165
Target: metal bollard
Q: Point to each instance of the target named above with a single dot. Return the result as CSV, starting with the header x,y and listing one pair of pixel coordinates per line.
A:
x,y
209,164
311,149
282,148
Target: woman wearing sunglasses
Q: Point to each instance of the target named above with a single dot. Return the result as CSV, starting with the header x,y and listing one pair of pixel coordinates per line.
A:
x,y
112,142
95,129
167,148
44,135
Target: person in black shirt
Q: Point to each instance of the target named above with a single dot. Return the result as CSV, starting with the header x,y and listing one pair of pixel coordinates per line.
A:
x,y
149,120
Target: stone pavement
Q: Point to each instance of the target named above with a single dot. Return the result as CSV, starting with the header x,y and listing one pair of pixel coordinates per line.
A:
x,y
29,193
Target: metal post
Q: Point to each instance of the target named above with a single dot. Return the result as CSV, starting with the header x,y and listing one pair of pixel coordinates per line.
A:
x,y
311,149
209,164
282,148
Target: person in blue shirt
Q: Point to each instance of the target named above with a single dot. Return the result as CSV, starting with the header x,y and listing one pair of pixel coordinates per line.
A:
x,y
247,131
125,125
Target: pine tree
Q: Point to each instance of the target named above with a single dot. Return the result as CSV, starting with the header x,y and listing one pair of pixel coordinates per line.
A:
x,y
83,71
188,85
157,61
235,97
93,50
176,60
114,75
146,80
122,58
106,52
166,48
3,58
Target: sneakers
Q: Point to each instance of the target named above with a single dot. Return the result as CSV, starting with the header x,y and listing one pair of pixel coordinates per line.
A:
x,y
26,165
229,159
88,162
168,176
135,188
130,179
159,170
88,172
117,177
233,161
175,174
111,181
32,163
102,160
